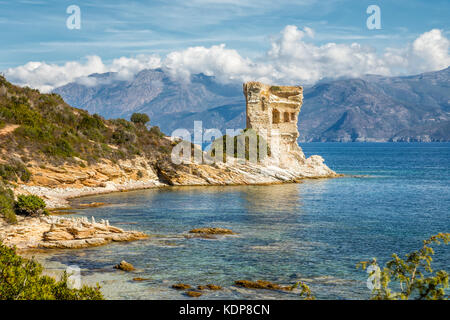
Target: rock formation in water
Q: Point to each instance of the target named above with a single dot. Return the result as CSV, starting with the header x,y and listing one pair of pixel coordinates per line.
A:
x,y
53,232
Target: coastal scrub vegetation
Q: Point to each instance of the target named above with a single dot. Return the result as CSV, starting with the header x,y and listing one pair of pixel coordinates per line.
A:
x,y
42,127
30,205
139,118
27,205
22,279
14,171
413,275
7,203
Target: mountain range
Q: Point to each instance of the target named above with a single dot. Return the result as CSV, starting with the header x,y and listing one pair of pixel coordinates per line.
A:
x,y
370,108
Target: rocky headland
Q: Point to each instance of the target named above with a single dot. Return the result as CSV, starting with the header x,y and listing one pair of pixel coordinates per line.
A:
x,y
61,152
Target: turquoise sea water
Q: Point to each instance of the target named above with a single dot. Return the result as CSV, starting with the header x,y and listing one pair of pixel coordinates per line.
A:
x,y
395,196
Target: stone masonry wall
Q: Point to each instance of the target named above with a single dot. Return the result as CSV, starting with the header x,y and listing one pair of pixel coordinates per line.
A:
x,y
272,111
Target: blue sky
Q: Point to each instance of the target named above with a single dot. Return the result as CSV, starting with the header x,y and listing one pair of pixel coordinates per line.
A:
x,y
36,30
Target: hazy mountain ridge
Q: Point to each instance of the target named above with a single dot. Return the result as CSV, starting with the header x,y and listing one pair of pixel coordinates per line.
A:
x,y
150,91
371,108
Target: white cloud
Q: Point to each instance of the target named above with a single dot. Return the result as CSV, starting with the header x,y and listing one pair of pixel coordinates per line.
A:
x,y
226,64
429,52
291,59
298,60
127,67
432,49
46,77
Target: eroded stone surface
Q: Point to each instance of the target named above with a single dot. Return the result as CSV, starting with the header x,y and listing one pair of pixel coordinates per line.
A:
x,y
62,233
124,266
273,112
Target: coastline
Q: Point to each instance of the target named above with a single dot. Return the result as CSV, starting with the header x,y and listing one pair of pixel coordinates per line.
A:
x,y
70,182
58,198
56,186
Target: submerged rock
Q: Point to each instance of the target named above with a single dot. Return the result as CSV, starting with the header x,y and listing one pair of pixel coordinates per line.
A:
x,y
212,231
261,284
140,279
193,293
92,204
181,286
125,266
209,287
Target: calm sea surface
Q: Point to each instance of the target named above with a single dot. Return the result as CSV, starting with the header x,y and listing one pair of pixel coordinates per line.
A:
x,y
395,196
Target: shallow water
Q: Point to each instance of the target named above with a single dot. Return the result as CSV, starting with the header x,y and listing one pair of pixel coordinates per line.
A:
x,y
316,231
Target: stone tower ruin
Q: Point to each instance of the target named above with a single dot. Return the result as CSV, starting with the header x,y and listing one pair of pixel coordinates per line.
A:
x,y
272,111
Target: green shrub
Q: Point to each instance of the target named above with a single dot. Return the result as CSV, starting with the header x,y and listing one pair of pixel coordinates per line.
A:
x,y
33,133
64,148
22,279
413,277
140,118
91,122
10,172
121,136
30,206
61,148
156,131
7,204
275,88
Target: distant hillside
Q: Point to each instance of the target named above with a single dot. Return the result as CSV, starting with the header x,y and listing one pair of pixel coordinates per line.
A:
x,y
151,92
373,108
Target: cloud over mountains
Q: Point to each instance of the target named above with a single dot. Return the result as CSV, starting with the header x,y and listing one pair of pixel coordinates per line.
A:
x,y
292,58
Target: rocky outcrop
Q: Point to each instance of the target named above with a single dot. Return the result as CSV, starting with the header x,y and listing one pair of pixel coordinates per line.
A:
x,y
181,286
211,231
230,173
209,287
261,284
62,233
193,293
124,266
93,175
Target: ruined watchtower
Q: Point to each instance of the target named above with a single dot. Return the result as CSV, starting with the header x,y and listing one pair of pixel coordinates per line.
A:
x,y
273,112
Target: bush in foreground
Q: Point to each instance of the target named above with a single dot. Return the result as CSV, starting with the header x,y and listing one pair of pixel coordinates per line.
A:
x,y
30,206
7,204
413,275
22,279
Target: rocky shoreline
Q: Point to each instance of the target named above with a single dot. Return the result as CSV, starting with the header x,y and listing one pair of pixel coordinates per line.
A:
x,y
52,232
63,233
220,174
